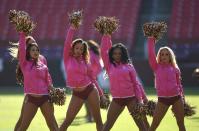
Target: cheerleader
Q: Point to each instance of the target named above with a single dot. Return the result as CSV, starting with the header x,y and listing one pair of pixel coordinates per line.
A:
x,y
37,82
168,84
81,80
124,87
14,53
96,64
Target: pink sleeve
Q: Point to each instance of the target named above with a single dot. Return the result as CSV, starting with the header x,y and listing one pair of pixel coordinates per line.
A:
x,y
48,78
137,89
98,88
97,63
106,44
67,43
151,53
22,48
94,81
178,74
142,91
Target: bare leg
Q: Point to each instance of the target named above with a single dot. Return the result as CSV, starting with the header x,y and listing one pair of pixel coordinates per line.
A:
x,y
93,101
47,110
21,115
89,116
178,109
146,123
139,122
29,112
113,113
159,113
73,108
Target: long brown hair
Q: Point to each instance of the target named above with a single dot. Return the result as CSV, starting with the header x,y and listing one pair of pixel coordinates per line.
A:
x,y
14,52
19,73
13,48
85,54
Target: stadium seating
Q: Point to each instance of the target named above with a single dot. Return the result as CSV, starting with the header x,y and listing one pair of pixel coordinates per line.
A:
x,y
184,21
52,20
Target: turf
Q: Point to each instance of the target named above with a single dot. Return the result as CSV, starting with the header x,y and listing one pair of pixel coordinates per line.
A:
x,y
10,106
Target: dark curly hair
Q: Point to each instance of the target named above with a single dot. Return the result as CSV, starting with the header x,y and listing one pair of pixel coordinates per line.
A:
x,y
124,56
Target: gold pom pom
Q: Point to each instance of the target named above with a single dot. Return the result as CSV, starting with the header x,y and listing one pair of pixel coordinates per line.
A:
x,y
149,107
106,25
13,14
22,21
138,111
154,29
25,25
75,18
57,96
188,110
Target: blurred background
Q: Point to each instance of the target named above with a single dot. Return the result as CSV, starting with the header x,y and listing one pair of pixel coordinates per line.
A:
x,y
181,16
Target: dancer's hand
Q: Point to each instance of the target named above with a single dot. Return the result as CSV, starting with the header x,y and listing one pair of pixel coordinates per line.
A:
x,y
50,88
145,100
183,99
104,102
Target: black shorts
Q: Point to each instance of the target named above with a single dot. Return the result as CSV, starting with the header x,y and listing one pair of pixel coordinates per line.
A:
x,y
169,100
124,101
85,93
37,101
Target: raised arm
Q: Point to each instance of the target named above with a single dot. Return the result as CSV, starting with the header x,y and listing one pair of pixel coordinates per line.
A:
x,y
22,48
106,44
151,53
68,43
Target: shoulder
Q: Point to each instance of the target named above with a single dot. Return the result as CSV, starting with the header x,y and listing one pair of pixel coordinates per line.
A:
x,y
177,70
41,57
130,66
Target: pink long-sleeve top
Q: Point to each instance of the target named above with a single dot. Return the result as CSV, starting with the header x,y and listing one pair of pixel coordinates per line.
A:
x,y
143,94
36,76
95,63
122,77
167,77
79,73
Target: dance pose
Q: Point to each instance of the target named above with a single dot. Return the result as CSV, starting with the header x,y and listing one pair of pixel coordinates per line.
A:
x,y
81,80
124,87
168,84
37,82
96,66
14,53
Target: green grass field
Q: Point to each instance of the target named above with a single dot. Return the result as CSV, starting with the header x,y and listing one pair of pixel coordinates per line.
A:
x,y
10,106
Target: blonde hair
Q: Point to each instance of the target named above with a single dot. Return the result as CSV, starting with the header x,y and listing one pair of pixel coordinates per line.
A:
x,y
171,56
